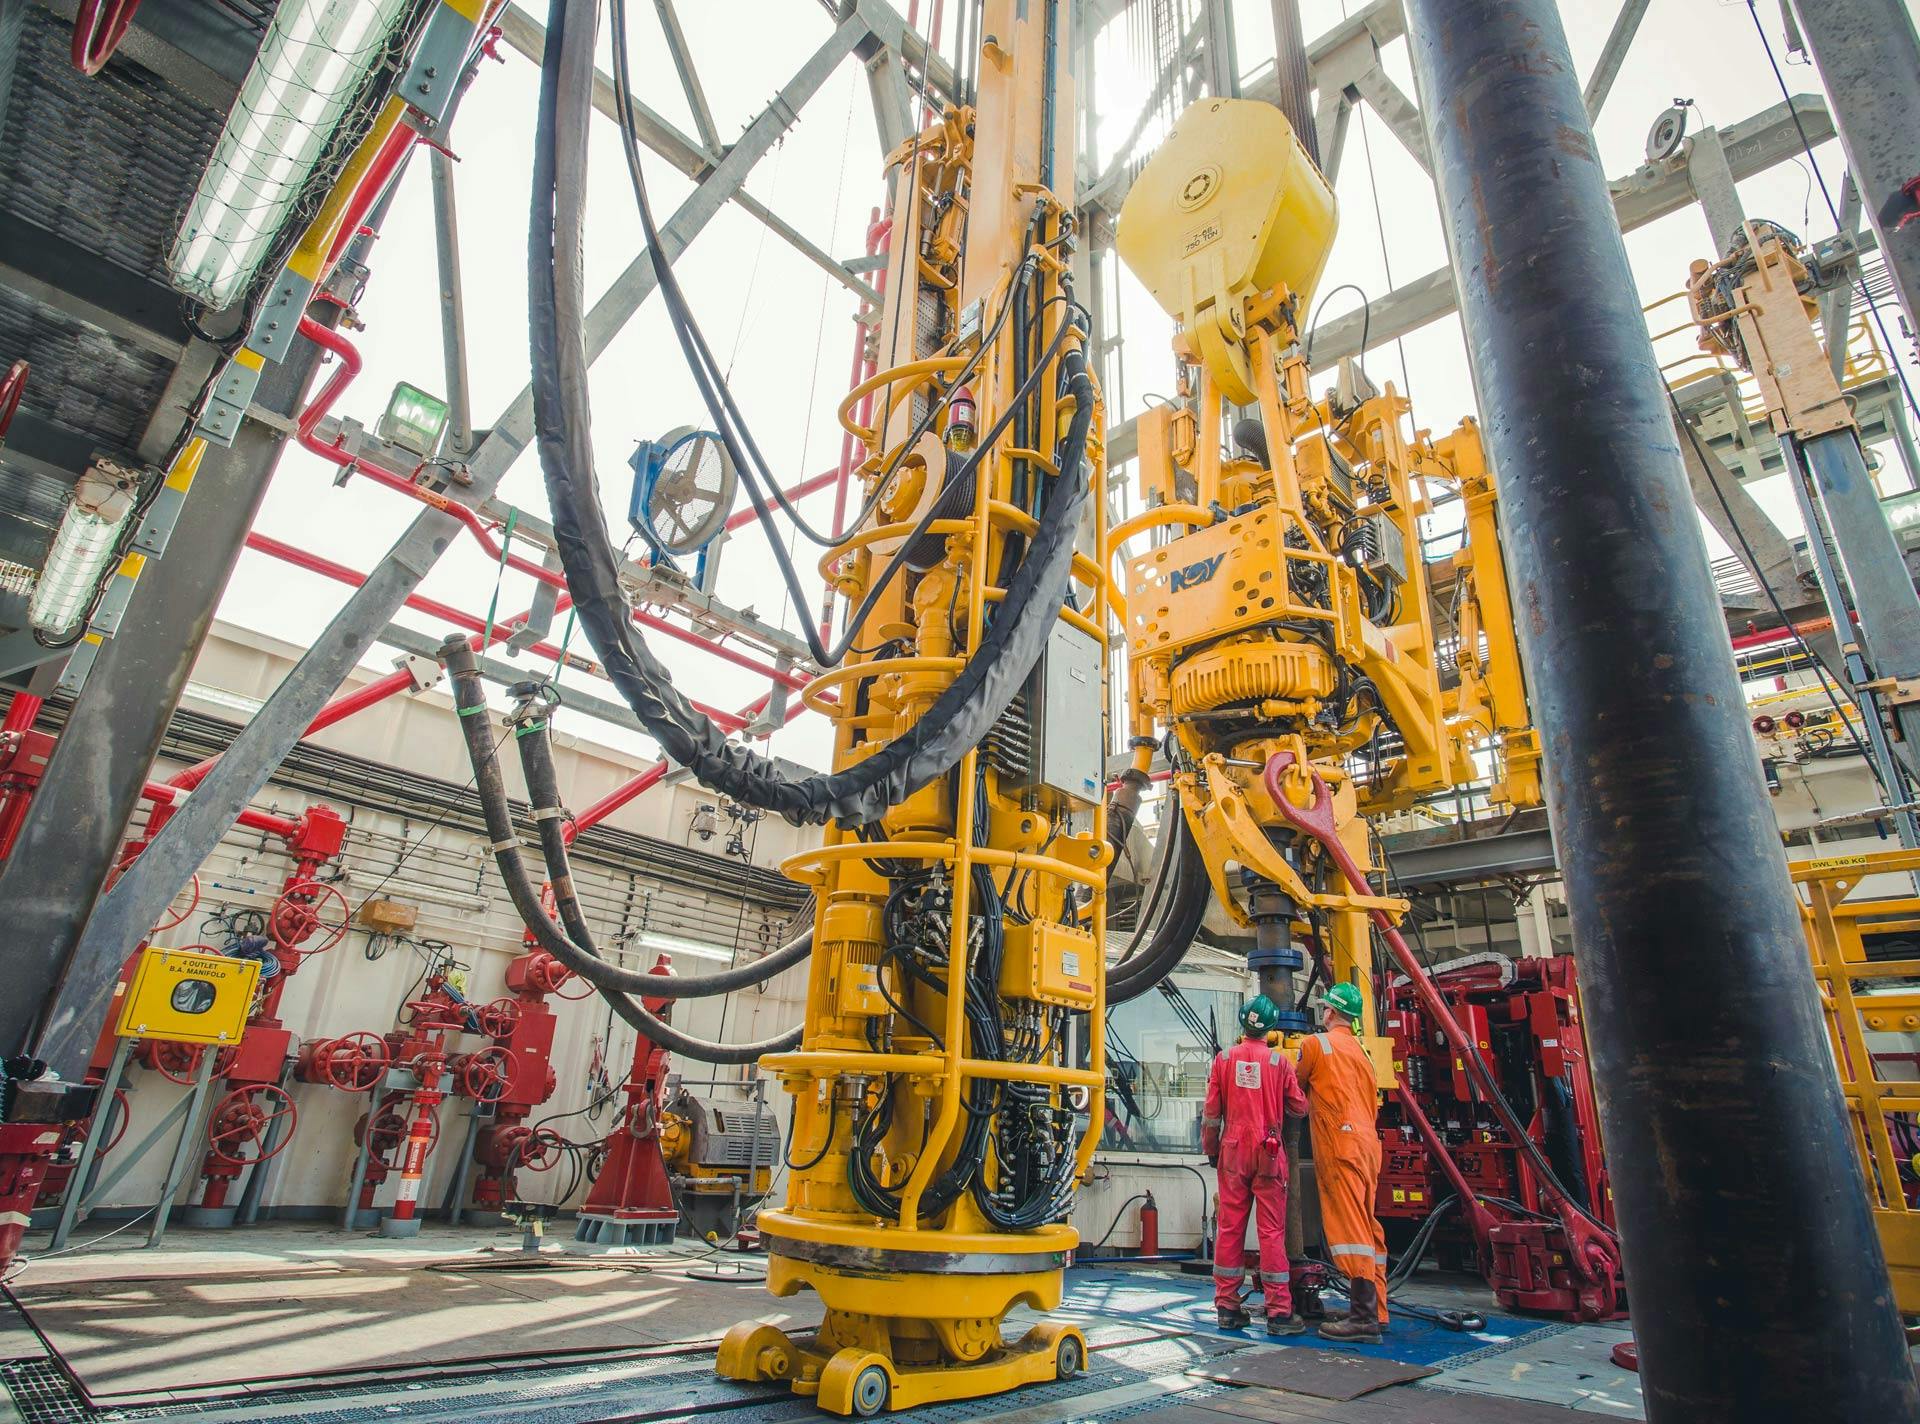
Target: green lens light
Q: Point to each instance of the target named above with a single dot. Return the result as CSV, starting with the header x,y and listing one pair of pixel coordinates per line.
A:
x,y
414,420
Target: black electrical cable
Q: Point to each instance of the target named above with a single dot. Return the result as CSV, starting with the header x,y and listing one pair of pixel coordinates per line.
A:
x,y
720,406
1207,1214
1115,1225
1366,319
1167,941
826,1145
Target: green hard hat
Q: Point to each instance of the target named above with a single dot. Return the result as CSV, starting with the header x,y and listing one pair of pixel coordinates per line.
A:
x,y
1261,1015
1344,998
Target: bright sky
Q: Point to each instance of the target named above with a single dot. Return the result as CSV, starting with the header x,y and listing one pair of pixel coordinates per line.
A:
x,y
786,328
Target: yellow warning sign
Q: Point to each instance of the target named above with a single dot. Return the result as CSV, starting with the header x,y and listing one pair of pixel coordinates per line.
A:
x,y
188,998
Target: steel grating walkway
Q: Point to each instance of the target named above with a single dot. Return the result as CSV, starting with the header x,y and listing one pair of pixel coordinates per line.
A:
x,y
1122,1380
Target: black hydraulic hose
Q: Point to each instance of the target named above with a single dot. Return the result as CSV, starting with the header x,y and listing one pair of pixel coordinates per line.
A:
x,y
1173,933
961,716
1154,893
471,704
543,792
1123,809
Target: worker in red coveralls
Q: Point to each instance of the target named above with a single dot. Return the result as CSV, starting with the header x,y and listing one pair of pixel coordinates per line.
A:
x,y
1251,1092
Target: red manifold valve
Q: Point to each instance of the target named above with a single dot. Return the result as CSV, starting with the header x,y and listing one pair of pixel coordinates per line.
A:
x,y
484,1076
500,1018
534,1149
353,1062
537,972
244,1122
309,910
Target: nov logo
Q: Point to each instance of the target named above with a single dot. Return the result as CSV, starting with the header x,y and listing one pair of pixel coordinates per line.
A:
x,y
1194,575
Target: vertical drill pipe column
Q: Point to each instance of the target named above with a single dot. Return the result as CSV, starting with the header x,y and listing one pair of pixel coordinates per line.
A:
x,y
1705,1027
1877,576
1869,58
1853,666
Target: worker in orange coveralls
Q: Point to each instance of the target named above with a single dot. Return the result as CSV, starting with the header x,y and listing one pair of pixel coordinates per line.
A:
x,y
1343,1094
1251,1091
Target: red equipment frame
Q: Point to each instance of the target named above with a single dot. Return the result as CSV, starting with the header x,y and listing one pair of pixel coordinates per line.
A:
x,y
1523,1016
632,1188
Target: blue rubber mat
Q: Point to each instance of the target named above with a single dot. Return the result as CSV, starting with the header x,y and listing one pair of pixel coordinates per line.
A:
x,y
1186,1303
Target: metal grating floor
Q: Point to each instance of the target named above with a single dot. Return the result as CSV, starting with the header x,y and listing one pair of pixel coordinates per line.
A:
x,y
1120,1382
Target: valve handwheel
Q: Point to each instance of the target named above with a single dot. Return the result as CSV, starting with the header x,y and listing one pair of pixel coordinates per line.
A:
x,y
500,1018
535,1149
122,1112
353,1062
305,909
485,1076
176,1062
392,1123
247,1117
177,913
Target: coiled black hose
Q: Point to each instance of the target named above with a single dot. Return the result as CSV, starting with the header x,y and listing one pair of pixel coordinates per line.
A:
x,y
1171,934
471,704
543,791
858,794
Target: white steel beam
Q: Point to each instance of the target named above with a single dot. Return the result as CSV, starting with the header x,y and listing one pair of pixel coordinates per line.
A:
x,y
689,75
1613,54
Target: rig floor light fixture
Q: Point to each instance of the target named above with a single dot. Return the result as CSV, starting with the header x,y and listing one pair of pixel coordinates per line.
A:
x,y
314,59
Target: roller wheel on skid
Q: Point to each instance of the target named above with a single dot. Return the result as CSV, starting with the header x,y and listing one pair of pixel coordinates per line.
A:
x,y
871,1387
1069,1357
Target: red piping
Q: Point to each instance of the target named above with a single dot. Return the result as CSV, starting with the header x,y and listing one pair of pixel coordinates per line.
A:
x,y
482,531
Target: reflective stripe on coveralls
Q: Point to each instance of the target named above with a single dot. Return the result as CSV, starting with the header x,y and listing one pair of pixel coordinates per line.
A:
x,y
1252,1089
1342,1096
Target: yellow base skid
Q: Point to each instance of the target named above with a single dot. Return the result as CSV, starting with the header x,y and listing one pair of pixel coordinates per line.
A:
x,y
859,1382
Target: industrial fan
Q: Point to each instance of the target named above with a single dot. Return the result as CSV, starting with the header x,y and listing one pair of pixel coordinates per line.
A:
x,y
683,487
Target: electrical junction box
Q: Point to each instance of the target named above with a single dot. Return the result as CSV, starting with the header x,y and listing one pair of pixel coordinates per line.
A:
x,y
1050,964
1065,703
188,998
388,916
1389,552
858,990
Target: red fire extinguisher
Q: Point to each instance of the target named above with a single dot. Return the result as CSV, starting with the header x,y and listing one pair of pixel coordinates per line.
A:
x,y
1149,1227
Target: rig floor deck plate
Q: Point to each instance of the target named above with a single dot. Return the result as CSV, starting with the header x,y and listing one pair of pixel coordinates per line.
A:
x,y
1152,1332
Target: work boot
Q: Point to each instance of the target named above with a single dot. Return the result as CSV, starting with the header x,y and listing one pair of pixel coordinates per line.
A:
x,y
1362,1320
1235,1319
1286,1325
